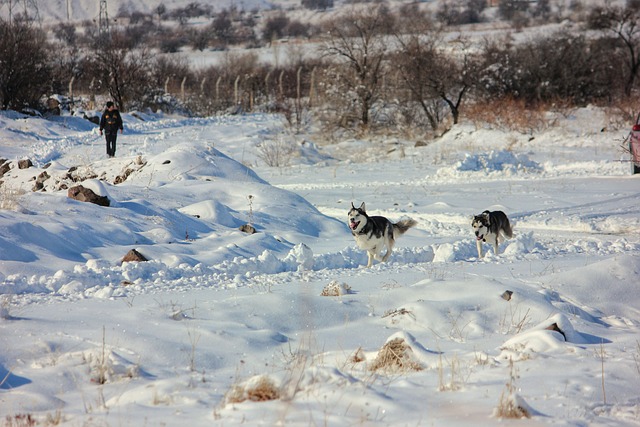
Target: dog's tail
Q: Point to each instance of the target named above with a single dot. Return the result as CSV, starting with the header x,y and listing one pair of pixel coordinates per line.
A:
x,y
508,231
403,225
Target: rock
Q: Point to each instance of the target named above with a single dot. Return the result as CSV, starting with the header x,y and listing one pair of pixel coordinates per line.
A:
x,y
84,194
39,185
24,164
248,228
6,167
92,119
506,295
555,327
134,256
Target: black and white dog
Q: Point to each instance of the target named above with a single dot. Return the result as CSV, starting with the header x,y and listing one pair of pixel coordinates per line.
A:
x,y
374,233
491,227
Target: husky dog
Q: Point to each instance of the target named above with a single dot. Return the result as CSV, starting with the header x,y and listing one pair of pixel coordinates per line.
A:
x,y
490,227
374,233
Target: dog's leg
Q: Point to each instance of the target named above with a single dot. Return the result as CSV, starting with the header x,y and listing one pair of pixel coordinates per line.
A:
x,y
496,248
389,247
369,259
479,246
390,243
375,253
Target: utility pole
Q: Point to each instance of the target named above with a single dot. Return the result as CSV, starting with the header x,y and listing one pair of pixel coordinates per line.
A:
x,y
27,6
103,19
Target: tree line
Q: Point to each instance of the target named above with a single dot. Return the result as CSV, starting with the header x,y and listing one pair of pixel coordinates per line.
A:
x,y
372,68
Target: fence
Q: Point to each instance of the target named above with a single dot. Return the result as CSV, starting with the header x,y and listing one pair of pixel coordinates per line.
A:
x,y
222,91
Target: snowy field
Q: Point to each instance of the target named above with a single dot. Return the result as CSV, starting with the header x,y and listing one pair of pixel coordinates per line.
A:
x,y
285,326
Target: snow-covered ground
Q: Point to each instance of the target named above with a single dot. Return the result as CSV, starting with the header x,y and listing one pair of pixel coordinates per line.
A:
x,y
225,328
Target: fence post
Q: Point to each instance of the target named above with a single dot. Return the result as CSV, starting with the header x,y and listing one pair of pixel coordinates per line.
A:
x,y
298,84
235,90
204,79
312,90
166,85
71,89
266,86
251,92
280,84
92,97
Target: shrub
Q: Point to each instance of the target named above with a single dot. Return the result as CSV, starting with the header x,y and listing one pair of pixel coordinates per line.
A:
x,y
26,69
395,356
257,389
507,114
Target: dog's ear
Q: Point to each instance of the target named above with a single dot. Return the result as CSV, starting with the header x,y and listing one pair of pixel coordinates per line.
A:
x,y
362,208
486,216
352,206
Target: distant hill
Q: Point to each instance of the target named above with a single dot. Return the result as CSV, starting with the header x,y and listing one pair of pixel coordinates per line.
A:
x,y
52,11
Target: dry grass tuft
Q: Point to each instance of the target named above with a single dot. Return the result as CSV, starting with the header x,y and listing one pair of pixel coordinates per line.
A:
x,y
358,356
260,390
264,390
395,356
20,420
398,313
508,114
5,307
622,113
10,198
508,407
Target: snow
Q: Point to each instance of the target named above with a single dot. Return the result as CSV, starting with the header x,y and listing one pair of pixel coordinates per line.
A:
x,y
218,320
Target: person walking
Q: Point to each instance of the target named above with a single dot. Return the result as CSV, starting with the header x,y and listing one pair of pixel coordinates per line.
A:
x,y
110,122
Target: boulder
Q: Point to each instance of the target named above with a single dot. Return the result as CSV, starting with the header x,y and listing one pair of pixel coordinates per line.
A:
x,y
39,185
24,164
6,167
84,194
134,256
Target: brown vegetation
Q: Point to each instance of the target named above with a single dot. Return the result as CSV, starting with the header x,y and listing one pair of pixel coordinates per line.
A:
x,y
395,356
508,114
380,69
260,390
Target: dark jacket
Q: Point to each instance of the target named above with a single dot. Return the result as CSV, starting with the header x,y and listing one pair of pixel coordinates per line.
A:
x,y
111,121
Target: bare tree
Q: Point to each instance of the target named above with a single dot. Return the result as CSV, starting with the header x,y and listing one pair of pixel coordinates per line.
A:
x,y
562,66
123,72
198,39
69,64
25,69
356,40
558,66
161,11
625,24
66,33
317,4
459,12
429,73
222,28
275,27
509,9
